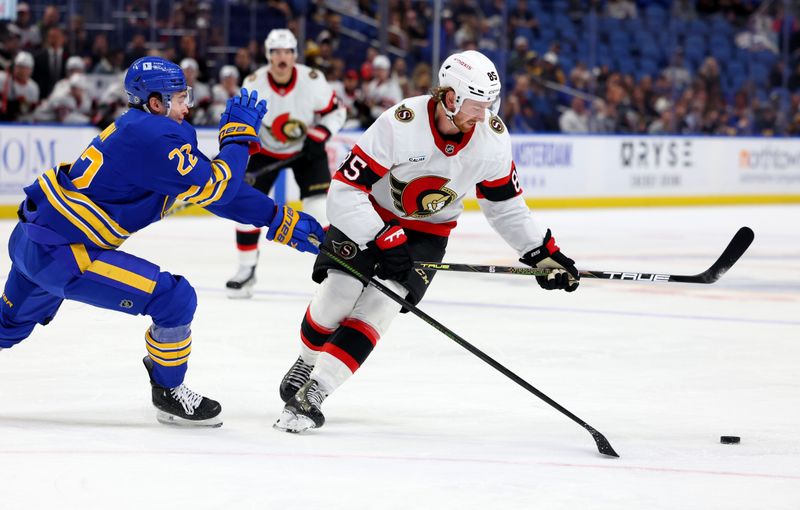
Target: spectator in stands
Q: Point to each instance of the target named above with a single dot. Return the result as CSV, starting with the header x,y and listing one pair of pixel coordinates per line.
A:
x,y
78,37
520,17
19,94
520,55
188,49
677,73
73,66
421,80
136,49
351,96
10,47
575,119
400,75
227,87
621,9
50,19
198,115
551,71
794,79
417,30
30,36
49,62
243,63
67,106
663,124
383,91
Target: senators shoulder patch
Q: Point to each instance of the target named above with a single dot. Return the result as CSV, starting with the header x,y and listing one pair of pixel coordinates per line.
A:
x,y
497,125
312,73
404,113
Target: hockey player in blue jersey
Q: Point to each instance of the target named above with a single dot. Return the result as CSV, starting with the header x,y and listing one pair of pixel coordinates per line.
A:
x,y
76,216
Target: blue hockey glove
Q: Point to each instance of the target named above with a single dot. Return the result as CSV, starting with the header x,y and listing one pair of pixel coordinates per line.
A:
x,y
550,256
241,119
295,228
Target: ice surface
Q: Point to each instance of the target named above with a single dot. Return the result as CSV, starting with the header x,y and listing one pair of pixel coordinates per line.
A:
x,y
662,370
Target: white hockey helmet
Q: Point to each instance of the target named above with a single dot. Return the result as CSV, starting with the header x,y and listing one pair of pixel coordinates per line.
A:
x,y
471,75
280,38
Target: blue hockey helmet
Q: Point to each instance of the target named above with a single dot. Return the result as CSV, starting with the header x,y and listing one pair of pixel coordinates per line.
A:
x,y
149,75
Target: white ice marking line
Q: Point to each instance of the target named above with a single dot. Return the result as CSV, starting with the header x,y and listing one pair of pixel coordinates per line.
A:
x,y
305,456
483,306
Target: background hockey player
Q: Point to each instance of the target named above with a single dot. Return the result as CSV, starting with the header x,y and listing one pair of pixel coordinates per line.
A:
x,y
303,114
76,216
395,199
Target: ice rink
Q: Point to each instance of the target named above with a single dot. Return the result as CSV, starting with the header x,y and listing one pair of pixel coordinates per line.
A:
x,y
661,369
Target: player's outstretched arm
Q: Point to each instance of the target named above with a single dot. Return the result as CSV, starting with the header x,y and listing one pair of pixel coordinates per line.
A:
x,y
241,120
295,229
549,255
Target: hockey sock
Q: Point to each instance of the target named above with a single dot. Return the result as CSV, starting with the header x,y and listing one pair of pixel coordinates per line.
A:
x,y
247,243
169,348
345,352
314,337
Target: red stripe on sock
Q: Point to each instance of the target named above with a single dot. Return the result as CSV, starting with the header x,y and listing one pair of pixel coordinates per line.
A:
x,y
246,247
363,328
319,329
342,356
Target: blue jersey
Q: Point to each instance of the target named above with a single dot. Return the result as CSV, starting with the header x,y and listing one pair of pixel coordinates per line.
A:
x,y
132,172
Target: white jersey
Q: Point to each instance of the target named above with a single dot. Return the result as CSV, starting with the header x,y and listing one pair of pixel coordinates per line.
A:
x,y
402,168
295,110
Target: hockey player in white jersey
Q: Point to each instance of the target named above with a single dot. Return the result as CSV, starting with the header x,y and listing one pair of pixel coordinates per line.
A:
x,y
304,113
395,199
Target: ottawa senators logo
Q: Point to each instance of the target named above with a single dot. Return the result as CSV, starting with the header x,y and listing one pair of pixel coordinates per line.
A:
x,y
404,113
287,130
421,197
313,74
346,249
497,125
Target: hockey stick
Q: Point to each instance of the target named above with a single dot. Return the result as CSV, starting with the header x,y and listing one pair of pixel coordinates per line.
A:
x,y
736,248
249,178
603,446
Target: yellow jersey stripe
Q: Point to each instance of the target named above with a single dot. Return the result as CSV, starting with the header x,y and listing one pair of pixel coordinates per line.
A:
x,y
108,132
118,231
69,215
87,211
184,197
216,186
122,275
81,256
162,346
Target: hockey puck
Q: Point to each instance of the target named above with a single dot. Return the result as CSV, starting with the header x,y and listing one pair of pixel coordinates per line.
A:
x,y
730,439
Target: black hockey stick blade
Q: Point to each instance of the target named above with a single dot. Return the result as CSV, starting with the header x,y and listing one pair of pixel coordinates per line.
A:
x,y
603,446
250,178
736,248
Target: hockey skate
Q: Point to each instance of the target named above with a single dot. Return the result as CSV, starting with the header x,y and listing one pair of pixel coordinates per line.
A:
x,y
182,406
242,283
302,411
296,377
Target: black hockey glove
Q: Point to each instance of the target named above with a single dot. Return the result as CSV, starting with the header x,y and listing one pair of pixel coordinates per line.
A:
x,y
394,256
549,255
314,144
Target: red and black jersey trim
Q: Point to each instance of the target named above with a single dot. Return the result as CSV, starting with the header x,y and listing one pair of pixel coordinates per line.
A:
x,y
283,89
360,170
332,105
448,147
352,343
500,189
312,334
437,229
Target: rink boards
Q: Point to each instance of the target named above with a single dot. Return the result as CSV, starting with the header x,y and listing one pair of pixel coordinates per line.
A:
x,y
554,170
